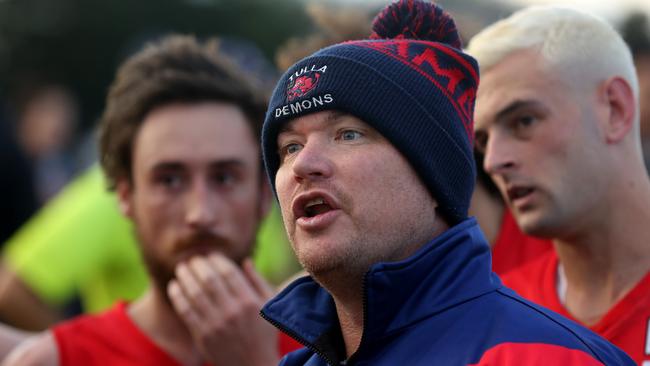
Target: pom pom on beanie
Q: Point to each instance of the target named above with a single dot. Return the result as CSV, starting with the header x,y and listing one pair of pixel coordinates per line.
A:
x,y
412,19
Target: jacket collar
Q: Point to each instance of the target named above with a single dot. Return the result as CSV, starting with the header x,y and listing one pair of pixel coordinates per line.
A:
x,y
452,268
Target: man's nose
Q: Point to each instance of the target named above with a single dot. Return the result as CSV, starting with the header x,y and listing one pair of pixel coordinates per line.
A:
x,y
201,205
313,162
499,155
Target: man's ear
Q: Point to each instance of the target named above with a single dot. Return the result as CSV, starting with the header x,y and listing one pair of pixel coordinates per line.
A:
x,y
618,98
124,193
266,197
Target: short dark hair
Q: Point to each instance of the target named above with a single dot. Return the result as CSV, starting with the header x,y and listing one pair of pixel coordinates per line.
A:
x,y
174,69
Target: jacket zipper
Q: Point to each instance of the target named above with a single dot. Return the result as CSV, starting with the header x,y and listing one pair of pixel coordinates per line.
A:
x,y
298,339
364,302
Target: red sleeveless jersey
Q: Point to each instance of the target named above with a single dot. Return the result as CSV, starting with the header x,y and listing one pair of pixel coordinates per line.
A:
x,y
627,324
111,338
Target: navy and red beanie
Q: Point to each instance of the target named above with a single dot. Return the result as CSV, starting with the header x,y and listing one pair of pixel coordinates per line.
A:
x,y
410,81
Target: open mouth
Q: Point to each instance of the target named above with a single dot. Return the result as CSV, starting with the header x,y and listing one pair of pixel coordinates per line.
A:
x,y
517,193
315,211
313,205
316,207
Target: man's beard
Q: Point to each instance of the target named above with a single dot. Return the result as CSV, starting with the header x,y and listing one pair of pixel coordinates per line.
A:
x,y
202,243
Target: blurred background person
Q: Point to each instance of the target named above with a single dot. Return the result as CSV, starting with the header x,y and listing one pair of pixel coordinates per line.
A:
x,y
47,117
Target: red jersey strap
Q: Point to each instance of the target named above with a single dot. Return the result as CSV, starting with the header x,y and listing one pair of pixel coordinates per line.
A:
x,y
535,354
110,338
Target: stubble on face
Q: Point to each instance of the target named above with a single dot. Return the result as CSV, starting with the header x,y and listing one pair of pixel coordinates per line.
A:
x,y
371,239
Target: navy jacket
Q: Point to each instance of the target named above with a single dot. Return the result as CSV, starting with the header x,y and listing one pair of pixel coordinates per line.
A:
x,y
441,306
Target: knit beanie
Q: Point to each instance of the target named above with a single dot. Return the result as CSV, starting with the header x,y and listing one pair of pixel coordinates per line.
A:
x,y
410,81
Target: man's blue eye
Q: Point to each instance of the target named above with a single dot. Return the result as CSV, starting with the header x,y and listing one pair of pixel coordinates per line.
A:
x,y
350,135
292,148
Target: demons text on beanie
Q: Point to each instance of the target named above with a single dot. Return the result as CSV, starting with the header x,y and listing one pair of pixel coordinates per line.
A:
x,y
410,81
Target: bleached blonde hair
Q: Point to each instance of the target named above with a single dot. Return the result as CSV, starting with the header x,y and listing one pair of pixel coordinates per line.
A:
x,y
582,48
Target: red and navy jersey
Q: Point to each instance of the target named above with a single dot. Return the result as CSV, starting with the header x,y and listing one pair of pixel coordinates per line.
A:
x,y
441,306
112,338
627,324
513,248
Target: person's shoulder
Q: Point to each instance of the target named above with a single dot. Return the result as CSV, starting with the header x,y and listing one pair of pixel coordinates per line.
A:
x,y
38,350
546,331
532,354
93,324
90,331
106,338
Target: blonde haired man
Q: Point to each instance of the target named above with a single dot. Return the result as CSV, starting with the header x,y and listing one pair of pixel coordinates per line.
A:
x,y
557,117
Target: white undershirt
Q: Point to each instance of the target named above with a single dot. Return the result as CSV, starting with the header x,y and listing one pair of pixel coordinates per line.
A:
x,y
561,285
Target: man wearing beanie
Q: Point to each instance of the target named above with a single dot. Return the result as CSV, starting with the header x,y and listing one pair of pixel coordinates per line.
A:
x,y
368,145
558,119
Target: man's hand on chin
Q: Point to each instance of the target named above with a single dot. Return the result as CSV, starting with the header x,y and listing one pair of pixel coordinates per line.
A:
x,y
220,303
